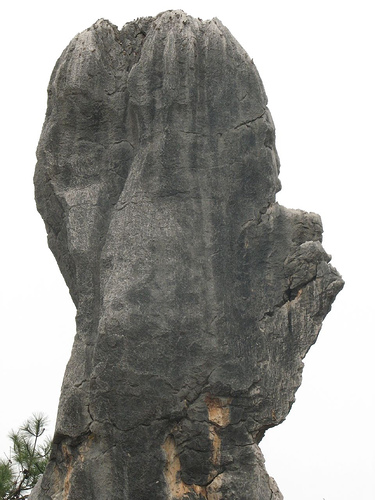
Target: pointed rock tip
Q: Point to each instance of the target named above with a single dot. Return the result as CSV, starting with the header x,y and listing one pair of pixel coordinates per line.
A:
x,y
103,23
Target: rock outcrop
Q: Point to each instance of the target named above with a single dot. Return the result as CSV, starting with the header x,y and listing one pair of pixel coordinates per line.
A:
x,y
197,295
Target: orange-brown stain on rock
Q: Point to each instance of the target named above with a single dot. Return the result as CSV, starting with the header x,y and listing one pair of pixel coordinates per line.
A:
x,y
218,410
213,489
69,469
219,417
85,447
172,473
62,481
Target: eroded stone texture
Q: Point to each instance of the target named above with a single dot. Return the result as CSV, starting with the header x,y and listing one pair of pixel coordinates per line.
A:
x,y
197,294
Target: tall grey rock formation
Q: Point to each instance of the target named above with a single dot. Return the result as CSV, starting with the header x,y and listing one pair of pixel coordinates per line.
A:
x,y
197,295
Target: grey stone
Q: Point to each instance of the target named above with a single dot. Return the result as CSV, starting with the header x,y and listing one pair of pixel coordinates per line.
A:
x,y
197,295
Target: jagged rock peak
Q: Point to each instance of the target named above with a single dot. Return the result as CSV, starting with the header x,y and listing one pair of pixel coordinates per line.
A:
x,y
197,295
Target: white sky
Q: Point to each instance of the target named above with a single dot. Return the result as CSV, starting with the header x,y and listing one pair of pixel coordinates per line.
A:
x,y
316,59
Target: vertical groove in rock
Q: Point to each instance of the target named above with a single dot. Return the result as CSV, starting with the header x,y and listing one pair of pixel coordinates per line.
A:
x,y
197,294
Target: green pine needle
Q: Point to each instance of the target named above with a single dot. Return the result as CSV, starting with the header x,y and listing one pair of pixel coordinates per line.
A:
x,y
28,459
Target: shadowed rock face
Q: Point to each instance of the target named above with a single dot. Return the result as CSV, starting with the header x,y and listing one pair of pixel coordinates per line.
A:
x,y
197,295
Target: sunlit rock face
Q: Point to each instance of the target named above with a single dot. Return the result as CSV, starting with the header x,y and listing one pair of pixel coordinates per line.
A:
x,y
197,295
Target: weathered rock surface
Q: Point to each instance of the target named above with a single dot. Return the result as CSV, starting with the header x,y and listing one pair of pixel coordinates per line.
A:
x,y
197,294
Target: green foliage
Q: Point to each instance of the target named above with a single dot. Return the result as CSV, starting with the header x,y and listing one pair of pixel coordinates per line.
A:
x,y
6,478
27,461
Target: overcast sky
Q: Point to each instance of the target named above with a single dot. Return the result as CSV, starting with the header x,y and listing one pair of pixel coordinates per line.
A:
x,y
316,60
